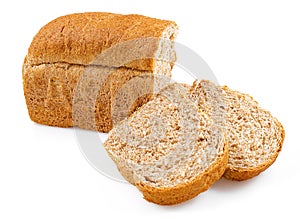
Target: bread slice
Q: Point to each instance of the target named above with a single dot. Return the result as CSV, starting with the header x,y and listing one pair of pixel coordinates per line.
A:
x,y
77,63
254,136
169,149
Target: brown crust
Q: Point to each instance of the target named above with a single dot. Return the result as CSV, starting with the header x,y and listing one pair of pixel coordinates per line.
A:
x,y
184,192
239,174
80,38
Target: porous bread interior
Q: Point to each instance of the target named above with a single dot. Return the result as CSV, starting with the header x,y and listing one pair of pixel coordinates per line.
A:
x,y
211,100
128,92
165,52
254,135
167,142
128,95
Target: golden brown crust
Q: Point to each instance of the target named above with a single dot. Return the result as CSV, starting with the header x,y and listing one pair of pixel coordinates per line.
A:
x,y
184,192
80,38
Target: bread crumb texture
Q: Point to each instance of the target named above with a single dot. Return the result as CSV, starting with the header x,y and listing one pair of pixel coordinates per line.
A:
x,y
169,149
255,136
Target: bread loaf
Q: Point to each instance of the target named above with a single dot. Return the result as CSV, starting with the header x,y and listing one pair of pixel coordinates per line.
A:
x,y
254,136
77,63
169,149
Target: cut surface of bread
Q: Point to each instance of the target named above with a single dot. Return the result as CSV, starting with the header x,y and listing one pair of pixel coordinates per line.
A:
x,y
254,136
169,149
78,63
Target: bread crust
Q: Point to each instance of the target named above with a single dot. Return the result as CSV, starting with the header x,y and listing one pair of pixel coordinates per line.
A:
x,y
80,38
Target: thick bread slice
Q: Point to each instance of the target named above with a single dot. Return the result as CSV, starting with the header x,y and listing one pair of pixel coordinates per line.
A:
x,y
255,137
169,149
89,38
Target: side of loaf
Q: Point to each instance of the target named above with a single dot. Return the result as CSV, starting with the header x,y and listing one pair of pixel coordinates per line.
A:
x,y
169,149
254,136
77,64
67,95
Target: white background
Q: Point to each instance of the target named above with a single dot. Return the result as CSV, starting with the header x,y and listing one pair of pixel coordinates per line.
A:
x,y
253,46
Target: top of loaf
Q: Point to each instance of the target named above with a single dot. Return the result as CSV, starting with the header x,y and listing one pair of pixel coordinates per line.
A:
x,y
105,39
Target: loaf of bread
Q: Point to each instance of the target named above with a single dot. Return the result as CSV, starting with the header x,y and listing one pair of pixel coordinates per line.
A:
x,y
76,65
169,149
254,136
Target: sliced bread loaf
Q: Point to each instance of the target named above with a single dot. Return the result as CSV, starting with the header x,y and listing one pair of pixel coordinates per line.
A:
x,y
77,63
254,136
169,149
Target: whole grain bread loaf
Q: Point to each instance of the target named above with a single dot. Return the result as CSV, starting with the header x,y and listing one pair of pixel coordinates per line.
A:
x,y
169,149
77,63
254,136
